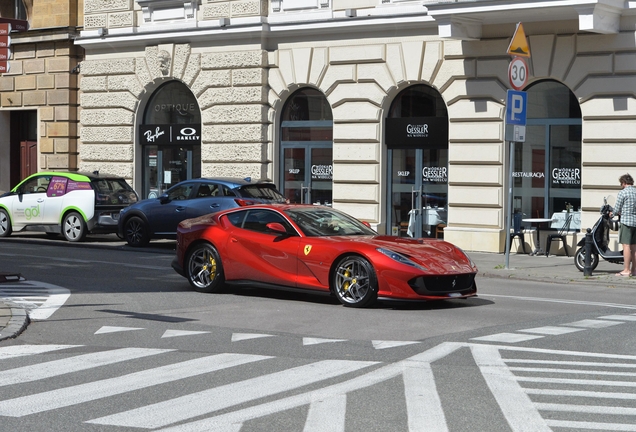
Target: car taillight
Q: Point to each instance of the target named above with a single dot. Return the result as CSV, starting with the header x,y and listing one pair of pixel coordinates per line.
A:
x,y
243,202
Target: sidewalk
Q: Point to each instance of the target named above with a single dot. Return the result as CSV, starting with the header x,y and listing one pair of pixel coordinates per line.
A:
x,y
555,269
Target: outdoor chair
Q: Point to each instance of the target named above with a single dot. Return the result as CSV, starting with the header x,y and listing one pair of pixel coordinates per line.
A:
x,y
562,235
517,231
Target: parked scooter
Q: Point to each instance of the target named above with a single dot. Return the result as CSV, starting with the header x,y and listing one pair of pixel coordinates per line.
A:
x,y
600,241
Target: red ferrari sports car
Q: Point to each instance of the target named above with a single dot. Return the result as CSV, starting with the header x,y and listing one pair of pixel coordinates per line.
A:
x,y
317,248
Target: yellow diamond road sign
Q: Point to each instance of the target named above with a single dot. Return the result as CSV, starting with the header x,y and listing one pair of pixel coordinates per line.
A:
x,y
519,45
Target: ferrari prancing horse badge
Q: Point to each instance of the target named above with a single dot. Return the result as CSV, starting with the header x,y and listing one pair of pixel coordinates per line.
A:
x,y
307,249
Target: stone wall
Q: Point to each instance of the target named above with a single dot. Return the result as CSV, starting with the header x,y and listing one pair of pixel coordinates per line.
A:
x,y
41,78
231,90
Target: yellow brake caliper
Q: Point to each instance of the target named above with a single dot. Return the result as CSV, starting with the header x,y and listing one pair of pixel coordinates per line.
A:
x,y
211,266
347,284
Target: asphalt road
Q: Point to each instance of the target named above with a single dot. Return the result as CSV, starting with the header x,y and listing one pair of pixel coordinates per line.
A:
x,y
126,345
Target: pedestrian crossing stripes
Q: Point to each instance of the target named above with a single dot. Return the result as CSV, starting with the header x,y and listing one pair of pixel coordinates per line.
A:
x,y
535,389
40,299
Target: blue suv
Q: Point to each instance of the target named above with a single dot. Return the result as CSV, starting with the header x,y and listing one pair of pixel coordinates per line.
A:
x,y
157,218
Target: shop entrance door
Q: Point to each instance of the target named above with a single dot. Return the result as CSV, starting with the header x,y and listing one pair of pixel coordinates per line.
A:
x,y
418,191
167,166
308,173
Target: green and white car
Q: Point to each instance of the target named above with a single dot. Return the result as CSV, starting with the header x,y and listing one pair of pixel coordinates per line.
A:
x,y
71,204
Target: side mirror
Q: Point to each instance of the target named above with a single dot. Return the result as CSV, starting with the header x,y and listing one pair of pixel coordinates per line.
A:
x,y
163,199
276,227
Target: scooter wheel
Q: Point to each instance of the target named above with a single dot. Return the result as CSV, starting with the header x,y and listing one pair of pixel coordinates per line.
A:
x,y
579,259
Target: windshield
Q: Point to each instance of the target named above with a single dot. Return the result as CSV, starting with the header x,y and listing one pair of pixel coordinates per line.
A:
x,y
264,192
324,221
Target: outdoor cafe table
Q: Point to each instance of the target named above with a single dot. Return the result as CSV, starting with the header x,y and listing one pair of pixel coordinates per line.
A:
x,y
537,222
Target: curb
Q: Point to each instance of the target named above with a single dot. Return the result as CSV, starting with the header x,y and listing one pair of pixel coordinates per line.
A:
x,y
17,324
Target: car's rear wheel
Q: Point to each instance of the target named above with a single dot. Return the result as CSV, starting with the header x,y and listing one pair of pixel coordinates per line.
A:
x,y
204,269
73,227
354,282
5,224
136,232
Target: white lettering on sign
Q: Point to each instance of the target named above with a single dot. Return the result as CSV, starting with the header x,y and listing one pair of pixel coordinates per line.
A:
x,y
528,174
403,173
416,131
180,108
322,171
435,174
566,176
151,137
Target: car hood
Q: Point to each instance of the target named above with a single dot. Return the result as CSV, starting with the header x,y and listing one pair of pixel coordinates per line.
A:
x,y
436,255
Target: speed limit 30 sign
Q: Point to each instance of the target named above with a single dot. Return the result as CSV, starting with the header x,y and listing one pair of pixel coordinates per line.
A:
x,y
518,73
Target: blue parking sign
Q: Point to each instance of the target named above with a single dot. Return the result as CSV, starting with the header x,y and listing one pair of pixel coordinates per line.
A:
x,y
516,103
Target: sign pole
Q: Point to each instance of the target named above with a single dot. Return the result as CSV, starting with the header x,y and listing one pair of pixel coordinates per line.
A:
x,y
509,206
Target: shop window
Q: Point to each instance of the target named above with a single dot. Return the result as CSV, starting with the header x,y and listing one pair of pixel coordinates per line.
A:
x,y
547,171
14,9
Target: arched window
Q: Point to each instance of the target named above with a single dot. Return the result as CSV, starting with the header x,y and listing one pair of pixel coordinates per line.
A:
x,y
15,9
416,135
170,135
547,172
307,148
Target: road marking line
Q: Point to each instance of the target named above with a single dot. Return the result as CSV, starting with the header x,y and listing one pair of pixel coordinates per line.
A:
x,y
588,409
391,344
177,333
506,337
518,409
25,350
579,425
572,371
578,381
594,324
110,329
548,300
551,330
207,401
423,404
580,393
572,363
316,341
73,364
327,415
619,317
77,394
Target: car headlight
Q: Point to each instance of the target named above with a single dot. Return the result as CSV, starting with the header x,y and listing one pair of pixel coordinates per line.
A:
x,y
400,258
472,263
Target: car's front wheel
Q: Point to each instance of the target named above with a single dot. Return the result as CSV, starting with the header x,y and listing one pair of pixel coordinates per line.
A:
x,y
136,232
5,224
204,269
74,227
354,282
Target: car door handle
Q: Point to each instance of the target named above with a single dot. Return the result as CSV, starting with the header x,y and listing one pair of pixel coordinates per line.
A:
x,y
214,205
180,209
40,200
234,240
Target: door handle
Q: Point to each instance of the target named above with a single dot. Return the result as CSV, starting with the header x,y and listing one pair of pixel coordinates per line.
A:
x,y
214,205
180,209
233,240
40,200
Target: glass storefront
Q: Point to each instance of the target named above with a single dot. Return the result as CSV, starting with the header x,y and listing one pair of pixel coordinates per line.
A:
x,y
171,139
307,148
547,171
417,137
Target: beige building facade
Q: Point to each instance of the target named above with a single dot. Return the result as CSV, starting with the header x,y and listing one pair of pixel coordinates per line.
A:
x,y
39,93
391,110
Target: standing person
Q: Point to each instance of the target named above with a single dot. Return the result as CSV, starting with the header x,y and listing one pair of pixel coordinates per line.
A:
x,y
626,208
